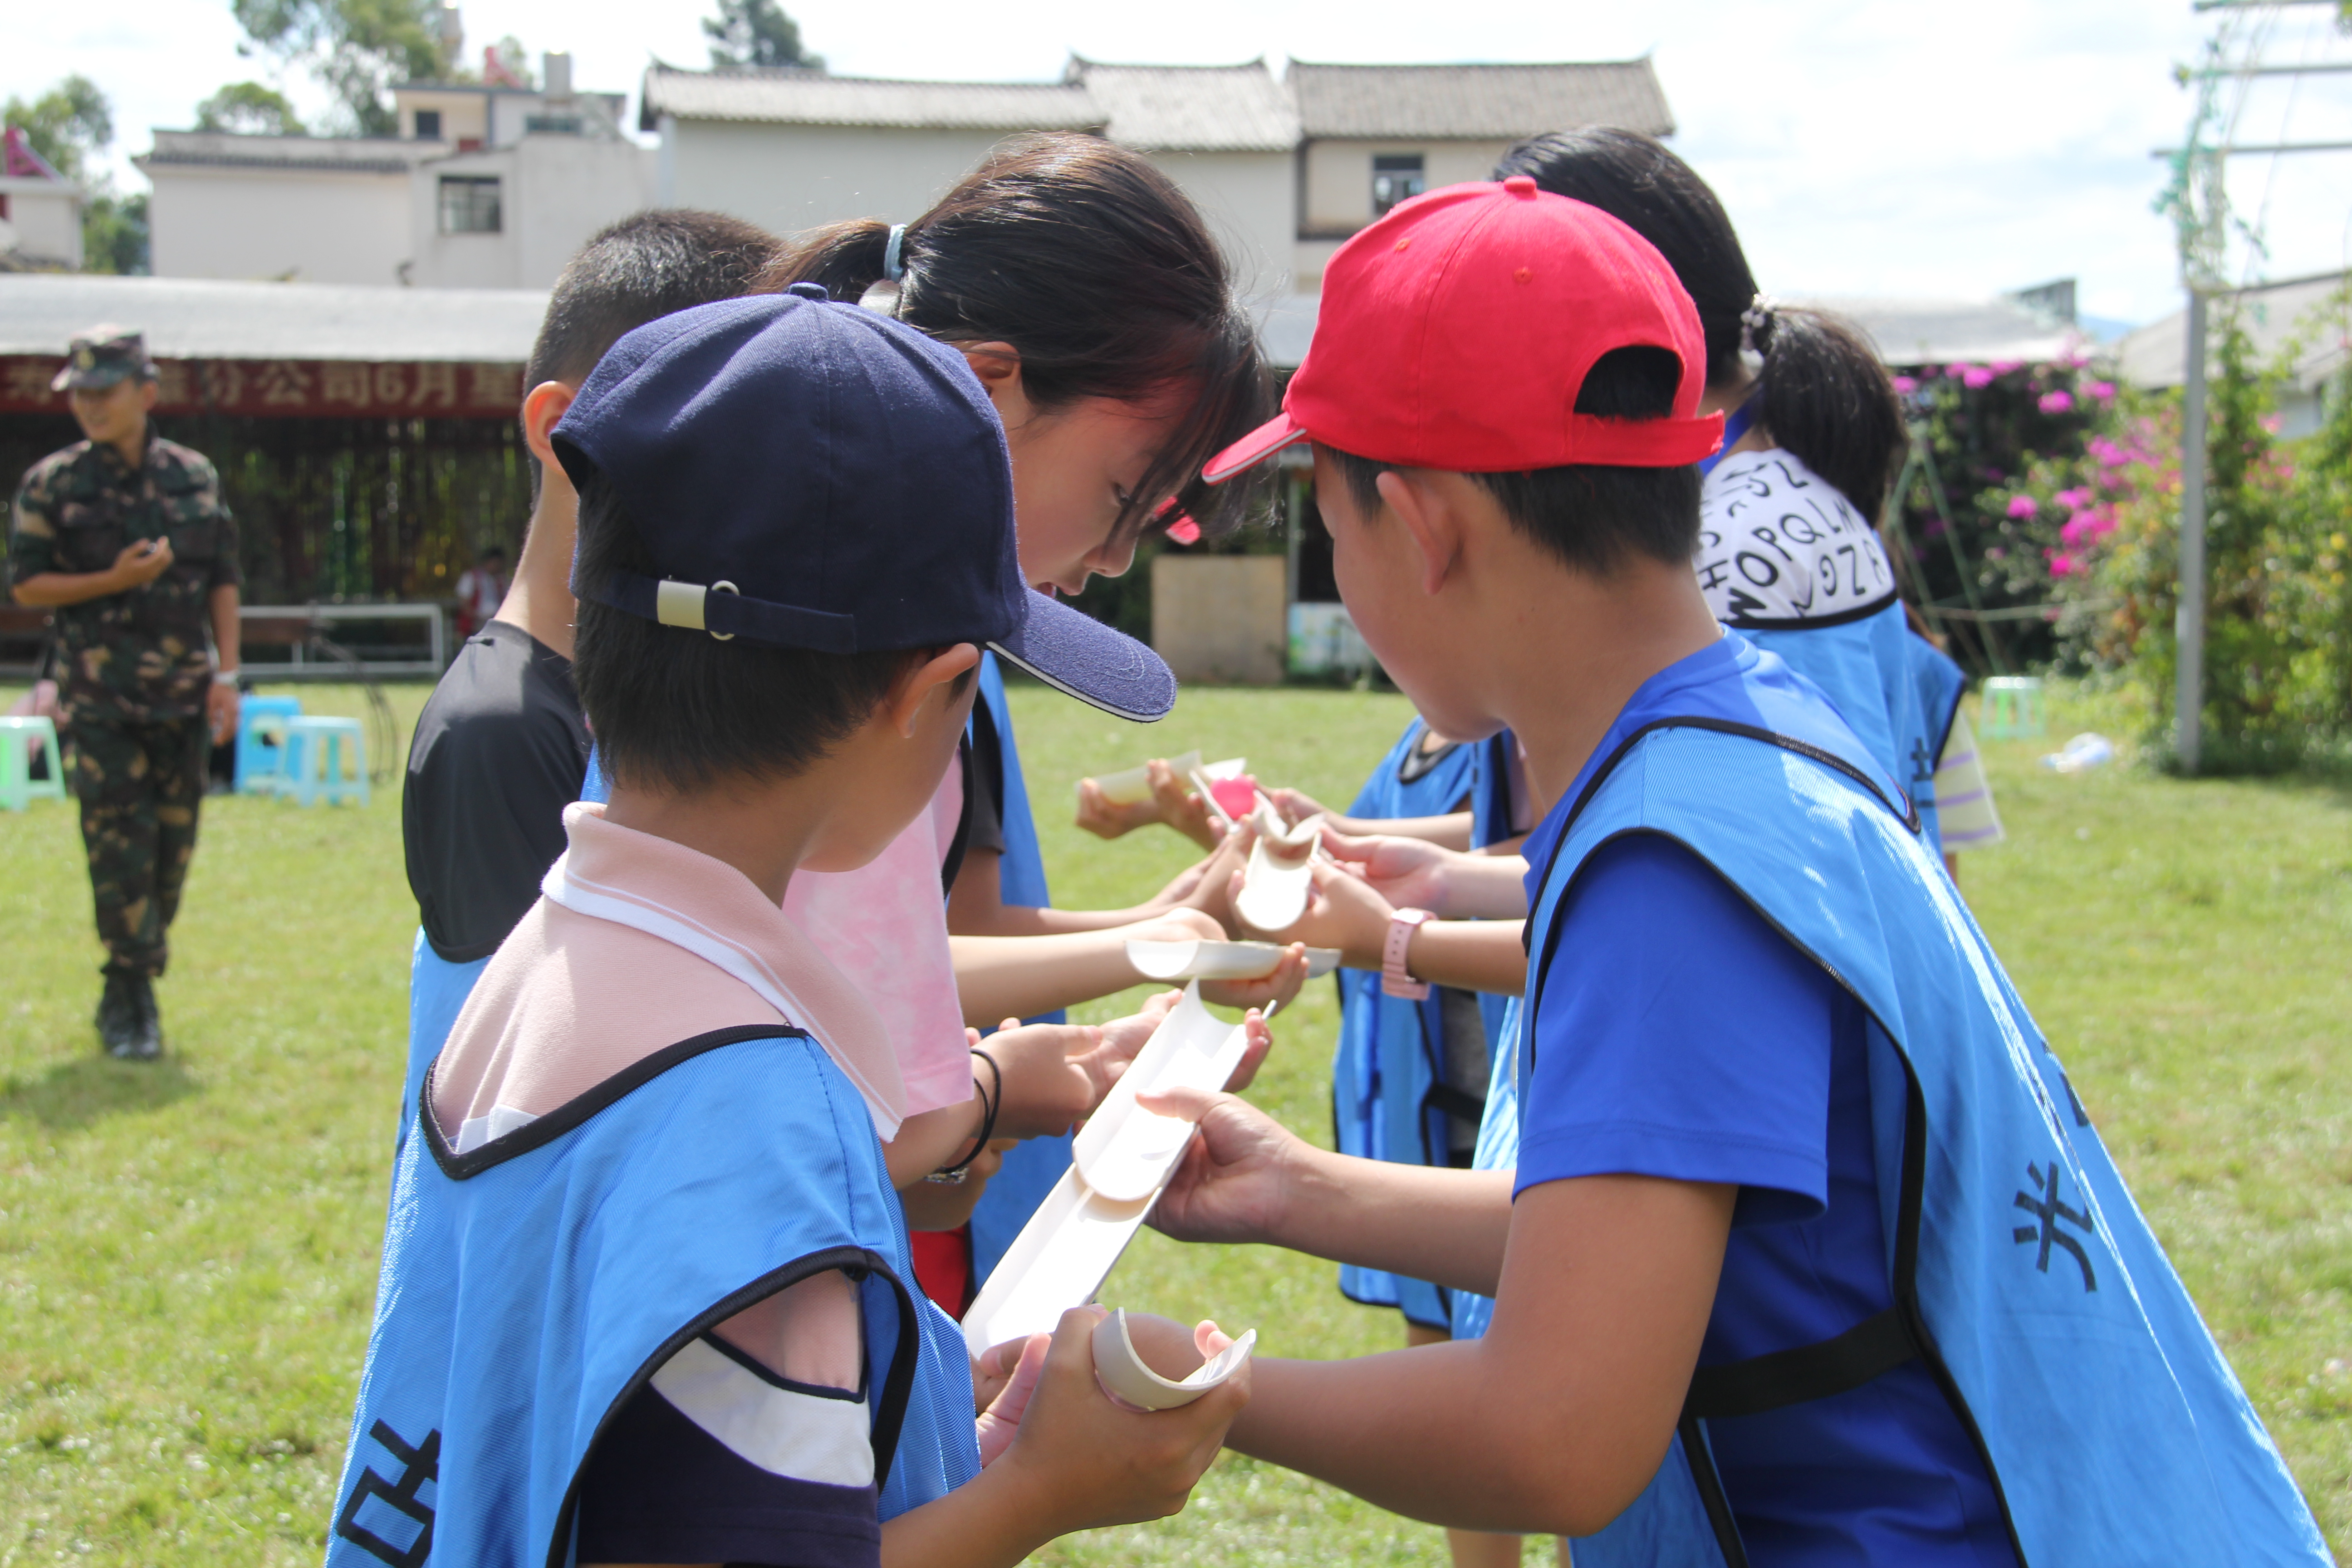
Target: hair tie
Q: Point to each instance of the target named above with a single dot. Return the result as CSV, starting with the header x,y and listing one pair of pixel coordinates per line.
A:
x,y
893,269
1755,323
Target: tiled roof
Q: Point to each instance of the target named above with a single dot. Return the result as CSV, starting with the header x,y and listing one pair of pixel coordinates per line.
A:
x,y
2278,313
1190,109
333,154
1476,102
788,97
186,318
1939,331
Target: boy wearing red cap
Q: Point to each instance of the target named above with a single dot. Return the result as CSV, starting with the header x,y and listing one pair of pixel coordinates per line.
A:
x,y
1810,1256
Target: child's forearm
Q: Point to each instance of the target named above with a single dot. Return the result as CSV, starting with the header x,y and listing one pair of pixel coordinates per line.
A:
x,y
988,1522
1001,977
1451,831
1471,955
1445,1226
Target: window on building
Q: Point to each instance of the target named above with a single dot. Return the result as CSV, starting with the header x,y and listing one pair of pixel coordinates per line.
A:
x,y
470,203
551,124
1396,177
428,125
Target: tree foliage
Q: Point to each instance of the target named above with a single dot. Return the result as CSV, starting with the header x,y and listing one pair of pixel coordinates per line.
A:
x,y
356,49
251,109
71,126
756,33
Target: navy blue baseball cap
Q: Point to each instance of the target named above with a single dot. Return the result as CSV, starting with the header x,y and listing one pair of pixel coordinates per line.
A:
x,y
814,475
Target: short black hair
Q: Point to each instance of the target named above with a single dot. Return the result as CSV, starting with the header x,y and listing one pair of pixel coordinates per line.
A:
x,y
498,550
677,708
1592,517
647,265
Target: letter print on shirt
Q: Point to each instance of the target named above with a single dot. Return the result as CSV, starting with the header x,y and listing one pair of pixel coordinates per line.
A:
x,y
1777,544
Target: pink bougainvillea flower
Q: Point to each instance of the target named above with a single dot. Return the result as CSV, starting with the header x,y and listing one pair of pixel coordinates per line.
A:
x,y
2105,450
2076,532
1977,375
1904,384
1954,372
2021,507
2062,565
2104,391
2003,366
2074,500
2057,402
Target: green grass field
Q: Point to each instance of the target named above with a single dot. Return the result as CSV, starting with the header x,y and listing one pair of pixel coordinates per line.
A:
x,y
188,1250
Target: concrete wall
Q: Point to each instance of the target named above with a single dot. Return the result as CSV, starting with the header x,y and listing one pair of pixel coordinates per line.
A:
x,y
1251,202
43,221
1220,619
788,178
315,227
1340,176
554,191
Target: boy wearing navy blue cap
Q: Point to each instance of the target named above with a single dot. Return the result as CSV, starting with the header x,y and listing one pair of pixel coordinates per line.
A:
x,y
1806,1254
646,1288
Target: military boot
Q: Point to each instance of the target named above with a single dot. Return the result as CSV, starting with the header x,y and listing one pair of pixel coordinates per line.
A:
x,y
147,1039
119,1018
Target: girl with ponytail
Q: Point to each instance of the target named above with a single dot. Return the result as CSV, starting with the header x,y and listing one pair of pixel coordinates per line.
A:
x,y
1092,303
1789,548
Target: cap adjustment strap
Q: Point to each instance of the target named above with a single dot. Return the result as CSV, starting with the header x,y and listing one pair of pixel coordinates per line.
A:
x,y
694,607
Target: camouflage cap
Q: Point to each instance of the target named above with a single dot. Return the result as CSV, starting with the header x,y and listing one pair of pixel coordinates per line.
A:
x,y
104,355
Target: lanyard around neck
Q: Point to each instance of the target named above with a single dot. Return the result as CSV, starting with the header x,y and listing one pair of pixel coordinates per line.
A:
x,y
1742,419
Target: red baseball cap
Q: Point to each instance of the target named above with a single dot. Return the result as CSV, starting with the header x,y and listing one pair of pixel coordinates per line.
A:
x,y
1455,333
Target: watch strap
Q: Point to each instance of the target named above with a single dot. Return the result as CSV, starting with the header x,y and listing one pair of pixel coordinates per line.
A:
x,y
1396,980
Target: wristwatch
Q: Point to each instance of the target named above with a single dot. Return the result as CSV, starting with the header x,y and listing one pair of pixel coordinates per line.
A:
x,y
1395,979
224,677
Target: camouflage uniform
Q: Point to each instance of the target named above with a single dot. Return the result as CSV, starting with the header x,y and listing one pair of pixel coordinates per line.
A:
x,y
134,669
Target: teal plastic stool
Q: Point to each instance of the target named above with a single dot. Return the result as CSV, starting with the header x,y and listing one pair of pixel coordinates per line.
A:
x,y
317,751
260,741
2012,709
18,787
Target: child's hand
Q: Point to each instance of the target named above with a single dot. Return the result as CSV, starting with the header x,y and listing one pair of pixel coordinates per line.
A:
x,y
1276,989
1296,805
1233,1183
1004,1379
1173,802
1410,873
1090,1463
1053,1075
1202,887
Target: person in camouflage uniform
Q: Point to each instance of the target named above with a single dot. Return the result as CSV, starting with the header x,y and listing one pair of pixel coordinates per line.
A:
x,y
125,536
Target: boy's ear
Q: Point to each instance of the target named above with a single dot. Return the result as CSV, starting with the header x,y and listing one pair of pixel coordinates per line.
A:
x,y
1428,515
907,694
998,365
541,407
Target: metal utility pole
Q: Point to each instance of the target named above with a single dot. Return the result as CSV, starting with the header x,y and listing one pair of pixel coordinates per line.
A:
x,y
2189,611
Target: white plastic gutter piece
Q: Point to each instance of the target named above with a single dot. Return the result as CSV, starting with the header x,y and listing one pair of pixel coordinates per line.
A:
x,y
1220,960
1120,1159
1280,875
1132,786
1123,1374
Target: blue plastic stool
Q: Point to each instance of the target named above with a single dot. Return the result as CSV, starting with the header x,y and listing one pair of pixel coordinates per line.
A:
x,y
260,755
317,750
18,787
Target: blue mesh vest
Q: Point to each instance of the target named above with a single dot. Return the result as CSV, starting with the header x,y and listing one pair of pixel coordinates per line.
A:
x,y
2020,1269
1389,1090
1029,1168
532,1286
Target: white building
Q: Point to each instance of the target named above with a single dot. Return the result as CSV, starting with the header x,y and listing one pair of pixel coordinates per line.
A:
x,y
40,209
487,187
1285,168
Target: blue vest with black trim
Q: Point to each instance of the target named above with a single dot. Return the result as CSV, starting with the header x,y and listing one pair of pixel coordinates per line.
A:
x,y
529,1287
2021,1271
1032,1167
1389,1069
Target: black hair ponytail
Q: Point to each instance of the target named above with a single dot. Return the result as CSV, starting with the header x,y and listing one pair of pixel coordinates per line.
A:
x,y
1100,272
1823,393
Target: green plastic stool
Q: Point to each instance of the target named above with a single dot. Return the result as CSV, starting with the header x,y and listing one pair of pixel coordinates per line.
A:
x,y
317,750
18,787
2012,710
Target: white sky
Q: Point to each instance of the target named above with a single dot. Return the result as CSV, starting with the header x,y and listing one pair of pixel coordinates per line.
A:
x,y
1862,146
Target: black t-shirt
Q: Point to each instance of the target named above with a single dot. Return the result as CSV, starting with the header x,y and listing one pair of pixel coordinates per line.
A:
x,y
500,750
